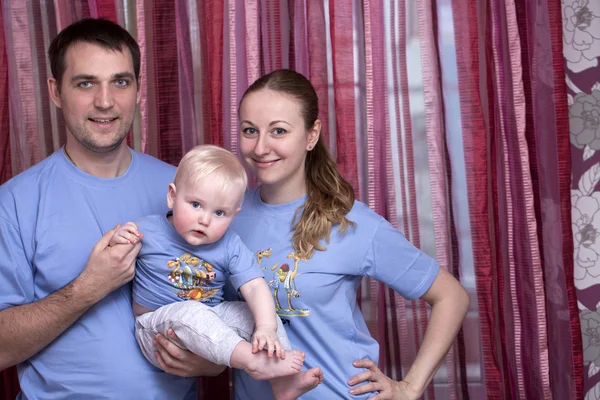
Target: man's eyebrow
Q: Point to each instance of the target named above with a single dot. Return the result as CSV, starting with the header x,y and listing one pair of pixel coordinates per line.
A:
x,y
88,77
122,75
83,77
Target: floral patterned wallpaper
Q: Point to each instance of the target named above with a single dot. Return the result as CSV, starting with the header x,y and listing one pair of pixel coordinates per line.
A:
x,y
581,48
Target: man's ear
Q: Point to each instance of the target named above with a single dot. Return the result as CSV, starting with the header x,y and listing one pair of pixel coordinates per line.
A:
x,y
138,97
171,195
54,91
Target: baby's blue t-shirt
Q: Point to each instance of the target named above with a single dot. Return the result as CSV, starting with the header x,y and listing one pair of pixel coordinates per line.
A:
x,y
316,298
51,216
169,269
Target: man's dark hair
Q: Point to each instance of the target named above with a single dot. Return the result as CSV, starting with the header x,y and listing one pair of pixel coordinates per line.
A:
x,y
101,32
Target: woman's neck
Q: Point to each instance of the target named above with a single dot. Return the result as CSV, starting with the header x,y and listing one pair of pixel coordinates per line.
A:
x,y
281,194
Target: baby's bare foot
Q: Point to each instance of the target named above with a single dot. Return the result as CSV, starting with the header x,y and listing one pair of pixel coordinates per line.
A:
x,y
293,386
262,367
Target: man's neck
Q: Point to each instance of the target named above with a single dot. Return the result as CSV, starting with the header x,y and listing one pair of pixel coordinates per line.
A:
x,y
101,165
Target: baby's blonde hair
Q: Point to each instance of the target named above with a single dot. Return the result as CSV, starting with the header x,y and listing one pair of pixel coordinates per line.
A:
x,y
220,164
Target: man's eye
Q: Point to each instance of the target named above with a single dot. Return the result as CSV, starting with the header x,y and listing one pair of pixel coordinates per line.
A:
x,y
122,82
84,84
195,204
219,213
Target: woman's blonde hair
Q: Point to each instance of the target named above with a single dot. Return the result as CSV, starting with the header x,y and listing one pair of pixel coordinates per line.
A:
x,y
329,196
214,161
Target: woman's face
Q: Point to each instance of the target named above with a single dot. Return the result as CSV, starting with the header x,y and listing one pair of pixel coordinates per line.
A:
x,y
274,140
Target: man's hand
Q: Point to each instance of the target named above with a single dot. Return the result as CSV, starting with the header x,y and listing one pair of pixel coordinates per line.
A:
x,y
177,361
108,268
127,234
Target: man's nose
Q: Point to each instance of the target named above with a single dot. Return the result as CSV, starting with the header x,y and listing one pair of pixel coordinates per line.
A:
x,y
104,98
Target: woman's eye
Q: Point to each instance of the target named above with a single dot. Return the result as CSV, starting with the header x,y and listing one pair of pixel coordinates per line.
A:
x,y
279,131
249,131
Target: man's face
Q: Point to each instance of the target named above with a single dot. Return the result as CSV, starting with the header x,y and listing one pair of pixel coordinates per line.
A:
x,y
98,96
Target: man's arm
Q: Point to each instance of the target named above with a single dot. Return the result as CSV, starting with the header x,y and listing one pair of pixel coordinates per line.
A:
x,y
29,328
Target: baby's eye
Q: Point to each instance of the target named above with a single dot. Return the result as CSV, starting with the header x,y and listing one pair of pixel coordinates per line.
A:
x,y
219,213
195,204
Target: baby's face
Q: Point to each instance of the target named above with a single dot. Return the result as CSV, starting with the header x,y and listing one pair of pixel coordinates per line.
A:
x,y
202,211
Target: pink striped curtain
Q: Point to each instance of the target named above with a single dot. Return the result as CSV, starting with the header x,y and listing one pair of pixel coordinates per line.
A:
x,y
450,119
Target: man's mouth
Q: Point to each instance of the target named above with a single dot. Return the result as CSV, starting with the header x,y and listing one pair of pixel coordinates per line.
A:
x,y
103,120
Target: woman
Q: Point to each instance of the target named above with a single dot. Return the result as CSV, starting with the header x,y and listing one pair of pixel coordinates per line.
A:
x,y
315,243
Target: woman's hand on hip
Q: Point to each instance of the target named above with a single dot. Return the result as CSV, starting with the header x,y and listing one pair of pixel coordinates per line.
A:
x,y
378,382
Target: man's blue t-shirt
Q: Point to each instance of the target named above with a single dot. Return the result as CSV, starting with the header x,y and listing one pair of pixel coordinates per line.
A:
x,y
51,216
169,269
316,298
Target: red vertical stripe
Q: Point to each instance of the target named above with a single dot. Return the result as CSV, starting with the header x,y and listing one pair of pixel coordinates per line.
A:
x,y
166,76
474,136
341,21
564,178
275,22
5,165
211,28
188,134
106,9
316,57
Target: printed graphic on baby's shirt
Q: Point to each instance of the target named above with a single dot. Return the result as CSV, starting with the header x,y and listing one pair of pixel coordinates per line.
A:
x,y
283,276
191,276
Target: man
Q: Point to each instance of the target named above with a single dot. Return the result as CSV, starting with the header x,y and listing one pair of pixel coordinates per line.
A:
x,y
65,297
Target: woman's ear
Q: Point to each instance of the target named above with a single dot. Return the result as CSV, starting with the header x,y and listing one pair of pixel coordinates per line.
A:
x,y
171,195
313,135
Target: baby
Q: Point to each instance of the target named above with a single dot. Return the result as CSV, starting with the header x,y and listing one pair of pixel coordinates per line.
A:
x,y
187,256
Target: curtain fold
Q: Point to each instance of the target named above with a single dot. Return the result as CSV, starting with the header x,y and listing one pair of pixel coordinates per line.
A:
x,y
449,118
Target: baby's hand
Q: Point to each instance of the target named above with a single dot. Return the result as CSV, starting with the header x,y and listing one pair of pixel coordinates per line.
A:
x,y
265,336
127,234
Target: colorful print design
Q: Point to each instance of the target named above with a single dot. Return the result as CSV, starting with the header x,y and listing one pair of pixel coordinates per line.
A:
x,y
284,276
192,276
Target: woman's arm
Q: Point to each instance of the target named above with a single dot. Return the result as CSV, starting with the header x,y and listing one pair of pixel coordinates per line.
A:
x,y
449,305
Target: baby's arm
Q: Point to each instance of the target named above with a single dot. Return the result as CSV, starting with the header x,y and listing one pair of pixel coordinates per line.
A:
x,y
127,234
260,301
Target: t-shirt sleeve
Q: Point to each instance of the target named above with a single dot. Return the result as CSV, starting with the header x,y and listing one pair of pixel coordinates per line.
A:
x,y
393,260
16,276
243,266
